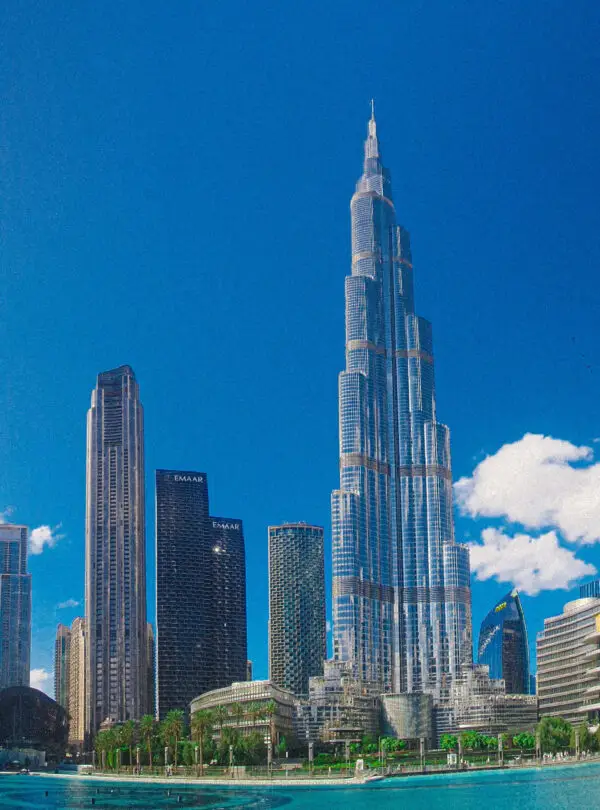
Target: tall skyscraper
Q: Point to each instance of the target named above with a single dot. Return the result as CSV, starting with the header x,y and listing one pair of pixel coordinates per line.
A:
x,y
62,650
503,644
15,607
77,683
115,585
151,652
297,632
401,593
200,593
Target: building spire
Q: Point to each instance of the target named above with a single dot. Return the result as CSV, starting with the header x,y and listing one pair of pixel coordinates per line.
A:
x,y
372,144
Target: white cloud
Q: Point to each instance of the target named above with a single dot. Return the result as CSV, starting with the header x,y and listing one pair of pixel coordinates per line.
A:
x,y
5,514
44,536
41,679
531,564
539,482
68,603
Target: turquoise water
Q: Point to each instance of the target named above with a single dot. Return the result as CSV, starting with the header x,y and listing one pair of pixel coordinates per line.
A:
x,y
557,788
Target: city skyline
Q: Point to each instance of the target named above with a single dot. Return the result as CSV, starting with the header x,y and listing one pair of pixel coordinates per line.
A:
x,y
127,158
401,584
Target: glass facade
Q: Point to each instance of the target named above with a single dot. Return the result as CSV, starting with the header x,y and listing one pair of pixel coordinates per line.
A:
x,y
62,651
503,645
401,588
200,593
115,576
297,624
15,607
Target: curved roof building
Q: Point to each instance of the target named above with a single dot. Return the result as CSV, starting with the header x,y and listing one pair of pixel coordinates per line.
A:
x,y
31,719
503,644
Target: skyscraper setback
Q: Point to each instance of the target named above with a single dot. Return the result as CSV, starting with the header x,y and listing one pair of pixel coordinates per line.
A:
x,y
401,594
115,584
200,593
15,607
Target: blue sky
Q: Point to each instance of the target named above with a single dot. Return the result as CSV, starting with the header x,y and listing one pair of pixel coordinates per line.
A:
x,y
174,191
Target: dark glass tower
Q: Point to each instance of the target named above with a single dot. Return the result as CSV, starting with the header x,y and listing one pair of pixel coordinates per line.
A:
x,y
503,644
115,568
200,593
15,607
297,632
401,591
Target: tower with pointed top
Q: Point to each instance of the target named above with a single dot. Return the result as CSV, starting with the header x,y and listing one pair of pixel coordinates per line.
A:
x,y
401,594
115,576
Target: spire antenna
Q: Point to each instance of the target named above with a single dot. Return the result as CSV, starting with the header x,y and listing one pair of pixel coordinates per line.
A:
x,y
372,109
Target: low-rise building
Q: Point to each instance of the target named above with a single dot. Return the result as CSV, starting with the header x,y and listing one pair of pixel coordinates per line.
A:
x,y
338,707
256,699
568,662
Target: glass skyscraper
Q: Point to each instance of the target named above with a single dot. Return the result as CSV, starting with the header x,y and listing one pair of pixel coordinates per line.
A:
x,y
62,655
15,607
401,591
115,576
503,644
200,593
297,631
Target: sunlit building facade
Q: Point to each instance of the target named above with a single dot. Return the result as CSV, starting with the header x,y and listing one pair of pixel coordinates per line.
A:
x,y
297,624
401,591
77,683
503,644
115,584
62,653
15,607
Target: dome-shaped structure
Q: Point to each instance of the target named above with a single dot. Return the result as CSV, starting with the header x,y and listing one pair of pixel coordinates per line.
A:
x,y
31,719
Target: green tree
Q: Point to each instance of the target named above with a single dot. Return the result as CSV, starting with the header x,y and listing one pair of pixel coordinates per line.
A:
x,y
254,748
202,724
221,715
238,711
368,744
586,739
270,709
100,744
524,741
112,742
173,731
281,748
472,740
555,734
127,737
147,727
448,742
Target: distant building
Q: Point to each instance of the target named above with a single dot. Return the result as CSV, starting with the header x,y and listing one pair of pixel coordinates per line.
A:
x,y
297,633
476,702
62,647
115,584
503,644
254,697
590,590
248,670
151,651
15,607
77,682
200,593
407,716
568,662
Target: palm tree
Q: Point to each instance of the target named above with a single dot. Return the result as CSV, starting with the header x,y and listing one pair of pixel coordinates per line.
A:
x,y
269,710
238,711
100,743
110,739
173,728
127,737
255,711
221,714
147,731
202,722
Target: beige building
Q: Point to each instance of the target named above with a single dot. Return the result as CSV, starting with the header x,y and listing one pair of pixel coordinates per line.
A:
x,y
76,705
568,662
253,697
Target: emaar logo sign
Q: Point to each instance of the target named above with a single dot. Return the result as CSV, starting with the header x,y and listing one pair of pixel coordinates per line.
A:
x,y
197,479
217,524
